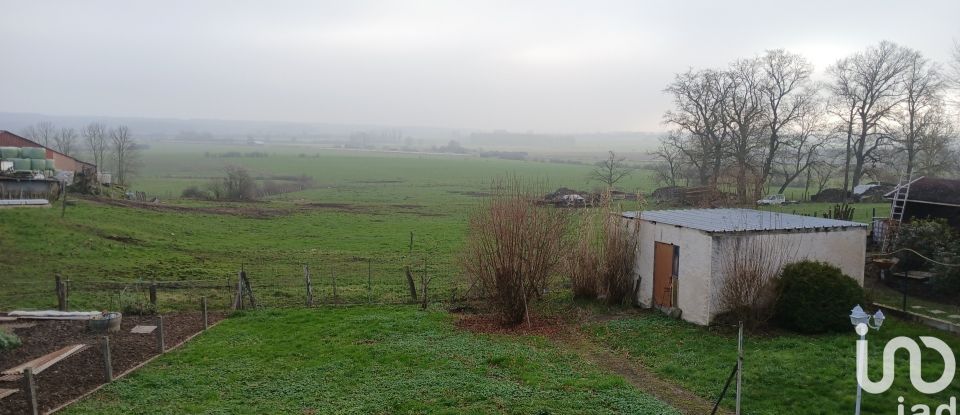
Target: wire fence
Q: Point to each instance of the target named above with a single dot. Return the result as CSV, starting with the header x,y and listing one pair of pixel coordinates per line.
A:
x,y
268,284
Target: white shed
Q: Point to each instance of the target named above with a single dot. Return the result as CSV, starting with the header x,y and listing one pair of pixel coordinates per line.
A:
x,y
683,253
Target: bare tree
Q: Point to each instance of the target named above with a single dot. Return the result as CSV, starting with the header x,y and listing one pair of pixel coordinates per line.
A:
x,y
65,141
670,168
922,89
937,152
787,93
95,138
868,86
611,170
42,133
124,151
744,111
698,115
803,144
823,171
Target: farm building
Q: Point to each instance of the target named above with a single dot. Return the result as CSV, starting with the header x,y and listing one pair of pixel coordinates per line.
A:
x,y
932,197
61,161
684,255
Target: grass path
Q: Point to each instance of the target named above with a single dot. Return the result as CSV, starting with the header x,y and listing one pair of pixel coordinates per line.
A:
x,y
640,376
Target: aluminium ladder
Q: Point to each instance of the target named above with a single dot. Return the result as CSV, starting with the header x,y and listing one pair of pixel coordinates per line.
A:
x,y
897,209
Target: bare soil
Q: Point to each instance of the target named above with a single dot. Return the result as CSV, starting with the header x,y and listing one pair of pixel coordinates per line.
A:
x,y
84,371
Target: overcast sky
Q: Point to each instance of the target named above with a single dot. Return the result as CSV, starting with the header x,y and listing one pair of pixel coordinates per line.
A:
x,y
547,66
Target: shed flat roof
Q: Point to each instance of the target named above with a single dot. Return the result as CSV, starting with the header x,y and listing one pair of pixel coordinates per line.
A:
x,y
739,220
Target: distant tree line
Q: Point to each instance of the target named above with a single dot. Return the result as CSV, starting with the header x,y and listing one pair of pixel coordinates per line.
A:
x,y
111,149
763,120
236,154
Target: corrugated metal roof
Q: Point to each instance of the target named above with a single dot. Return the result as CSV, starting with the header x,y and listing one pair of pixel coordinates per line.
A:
x,y
739,220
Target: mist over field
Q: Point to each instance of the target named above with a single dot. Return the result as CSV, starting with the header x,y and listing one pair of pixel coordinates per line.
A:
x,y
543,207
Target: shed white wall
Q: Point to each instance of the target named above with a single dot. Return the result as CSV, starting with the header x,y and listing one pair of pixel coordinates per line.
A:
x,y
700,273
693,281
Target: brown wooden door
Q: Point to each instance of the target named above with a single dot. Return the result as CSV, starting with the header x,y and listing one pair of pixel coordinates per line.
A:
x,y
663,274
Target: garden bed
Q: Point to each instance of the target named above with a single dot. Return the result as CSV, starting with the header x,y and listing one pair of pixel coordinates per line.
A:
x,y
84,371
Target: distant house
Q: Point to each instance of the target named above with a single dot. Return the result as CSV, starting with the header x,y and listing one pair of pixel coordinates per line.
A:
x,y
932,198
684,254
61,161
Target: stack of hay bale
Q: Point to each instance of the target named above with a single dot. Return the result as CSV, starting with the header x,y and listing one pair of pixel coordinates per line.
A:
x,y
33,159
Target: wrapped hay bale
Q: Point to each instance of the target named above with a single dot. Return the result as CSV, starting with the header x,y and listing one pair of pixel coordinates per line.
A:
x,y
21,164
36,153
50,165
9,152
38,164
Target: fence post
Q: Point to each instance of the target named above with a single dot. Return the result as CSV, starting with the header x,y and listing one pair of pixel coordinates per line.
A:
x,y
246,286
203,306
61,300
369,280
105,352
306,277
160,345
739,365
333,277
153,294
238,298
30,389
66,295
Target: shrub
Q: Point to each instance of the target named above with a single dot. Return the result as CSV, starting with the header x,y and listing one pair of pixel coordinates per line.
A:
x,y
930,237
750,267
513,248
237,185
815,297
194,192
9,340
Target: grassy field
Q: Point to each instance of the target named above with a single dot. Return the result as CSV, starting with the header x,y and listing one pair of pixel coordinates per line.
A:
x,y
784,373
353,230
363,207
367,361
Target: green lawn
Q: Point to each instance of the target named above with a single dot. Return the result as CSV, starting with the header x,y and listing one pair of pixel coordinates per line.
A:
x,y
784,373
366,360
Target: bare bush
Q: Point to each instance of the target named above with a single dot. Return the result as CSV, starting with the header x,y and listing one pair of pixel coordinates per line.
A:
x,y
750,266
514,247
236,185
601,263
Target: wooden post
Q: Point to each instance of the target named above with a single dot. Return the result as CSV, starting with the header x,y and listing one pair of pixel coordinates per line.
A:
x,y
160,346
66,295
153,294
333,277
203,306
248,288
61,299
424,282
306,277
30,389
238,298
369,280
63,208
105,352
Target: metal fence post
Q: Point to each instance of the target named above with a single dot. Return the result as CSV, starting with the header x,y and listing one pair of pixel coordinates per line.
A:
x,y
160,345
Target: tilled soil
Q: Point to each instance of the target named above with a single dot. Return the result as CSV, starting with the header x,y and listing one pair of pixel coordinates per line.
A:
x,y
84,371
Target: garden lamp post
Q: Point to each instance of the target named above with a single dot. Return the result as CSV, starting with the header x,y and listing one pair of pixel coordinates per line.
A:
x,y
861,323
